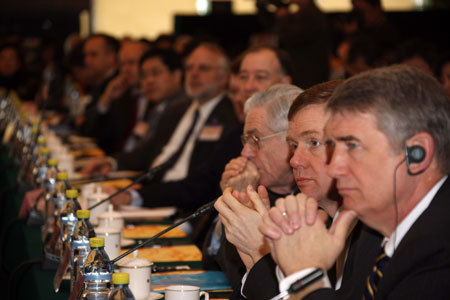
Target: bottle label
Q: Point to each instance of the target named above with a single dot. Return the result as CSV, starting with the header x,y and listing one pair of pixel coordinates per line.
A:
x,y
98,276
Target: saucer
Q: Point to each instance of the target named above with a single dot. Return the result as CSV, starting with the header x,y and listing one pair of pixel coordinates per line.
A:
x,y
126,242
154,296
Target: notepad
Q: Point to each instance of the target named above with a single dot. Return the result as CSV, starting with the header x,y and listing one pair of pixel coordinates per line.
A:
x,y
206,280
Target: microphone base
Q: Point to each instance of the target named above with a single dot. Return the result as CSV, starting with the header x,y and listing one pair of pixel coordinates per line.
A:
x,y
51,261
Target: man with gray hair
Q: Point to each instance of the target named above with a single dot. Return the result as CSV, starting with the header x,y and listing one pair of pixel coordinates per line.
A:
x,y
389,141
264,161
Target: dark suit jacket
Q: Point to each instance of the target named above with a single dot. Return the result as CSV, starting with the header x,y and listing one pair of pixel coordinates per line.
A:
x,y
113,127
420,266
146,150
202,185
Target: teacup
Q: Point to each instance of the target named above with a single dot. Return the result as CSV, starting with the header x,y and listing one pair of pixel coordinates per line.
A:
x,y
94,199
111,218
185,292
112,240
140,271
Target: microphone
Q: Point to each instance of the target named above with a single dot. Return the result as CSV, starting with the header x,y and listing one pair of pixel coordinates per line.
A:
x,y
199,212
150,173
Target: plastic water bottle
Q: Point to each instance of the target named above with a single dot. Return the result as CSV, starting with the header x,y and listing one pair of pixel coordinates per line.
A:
x,y
49,189
80,244
120,290
97,272
59,195
59,201
40,168
69,218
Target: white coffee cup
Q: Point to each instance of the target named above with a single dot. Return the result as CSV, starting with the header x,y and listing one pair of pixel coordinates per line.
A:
x,y
94,199
86,191
111,218
65,163
184,292
140,271
112,240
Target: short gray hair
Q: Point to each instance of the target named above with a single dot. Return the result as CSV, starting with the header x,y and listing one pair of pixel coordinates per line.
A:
x,y
405,101
277,100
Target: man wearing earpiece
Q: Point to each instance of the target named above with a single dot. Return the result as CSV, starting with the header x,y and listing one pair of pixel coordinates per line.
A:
x,y
389,139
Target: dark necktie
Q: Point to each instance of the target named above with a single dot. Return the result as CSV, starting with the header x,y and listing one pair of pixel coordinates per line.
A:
x,y
174,158
374,278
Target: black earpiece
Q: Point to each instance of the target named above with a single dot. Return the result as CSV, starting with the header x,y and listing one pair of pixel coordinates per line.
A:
x,y
414,154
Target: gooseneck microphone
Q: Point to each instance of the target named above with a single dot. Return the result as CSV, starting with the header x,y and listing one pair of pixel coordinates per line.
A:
x,y
202,210
150,173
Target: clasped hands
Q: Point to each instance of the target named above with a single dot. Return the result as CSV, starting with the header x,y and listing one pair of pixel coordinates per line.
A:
x,y
296,232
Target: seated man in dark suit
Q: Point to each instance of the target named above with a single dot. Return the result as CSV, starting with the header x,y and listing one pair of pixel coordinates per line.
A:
x,y
101,62
389,139
264,161
161,84
121,105
207,120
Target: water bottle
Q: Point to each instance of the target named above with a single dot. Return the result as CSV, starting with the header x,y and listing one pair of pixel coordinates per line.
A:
x,y
40,168
80,244
59,195
97,272
69,218
120,290
59,201
49,189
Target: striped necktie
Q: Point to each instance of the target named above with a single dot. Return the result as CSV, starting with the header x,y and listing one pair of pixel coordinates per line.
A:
x,y
373,280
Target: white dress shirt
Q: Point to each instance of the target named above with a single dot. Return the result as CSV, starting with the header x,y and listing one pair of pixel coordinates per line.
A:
x,y
180,169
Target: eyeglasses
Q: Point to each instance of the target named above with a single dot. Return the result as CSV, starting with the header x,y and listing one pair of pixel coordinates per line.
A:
x,y
253,141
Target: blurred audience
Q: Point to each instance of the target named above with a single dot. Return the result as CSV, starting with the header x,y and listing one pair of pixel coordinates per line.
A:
x,y
443,71
121,105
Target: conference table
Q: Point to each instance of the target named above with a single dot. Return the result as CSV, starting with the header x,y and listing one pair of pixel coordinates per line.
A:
x,y
22,248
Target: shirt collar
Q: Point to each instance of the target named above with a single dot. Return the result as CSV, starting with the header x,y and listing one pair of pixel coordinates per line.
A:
x,y
208,105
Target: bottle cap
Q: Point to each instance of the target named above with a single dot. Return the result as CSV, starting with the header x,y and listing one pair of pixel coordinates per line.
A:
x,y
34,130
41,140
83,214
44,151
62,176
120,278
72,193
97,242
52,162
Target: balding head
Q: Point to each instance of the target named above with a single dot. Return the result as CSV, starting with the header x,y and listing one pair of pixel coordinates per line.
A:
x,y
129,56
206,72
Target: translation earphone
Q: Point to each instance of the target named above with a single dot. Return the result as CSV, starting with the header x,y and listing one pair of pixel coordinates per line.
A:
x,y
414,154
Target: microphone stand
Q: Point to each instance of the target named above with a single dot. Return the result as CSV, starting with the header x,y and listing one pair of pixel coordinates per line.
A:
x,y
150,173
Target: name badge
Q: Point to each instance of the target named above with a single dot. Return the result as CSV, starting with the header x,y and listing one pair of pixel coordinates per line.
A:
x,y
210,133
